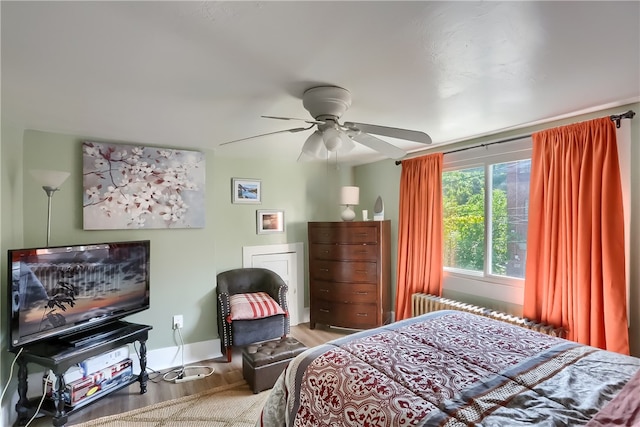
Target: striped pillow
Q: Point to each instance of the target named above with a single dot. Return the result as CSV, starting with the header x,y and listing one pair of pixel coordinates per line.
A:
x,y
255,305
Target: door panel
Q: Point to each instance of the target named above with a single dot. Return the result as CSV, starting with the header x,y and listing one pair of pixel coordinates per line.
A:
x,y
285,265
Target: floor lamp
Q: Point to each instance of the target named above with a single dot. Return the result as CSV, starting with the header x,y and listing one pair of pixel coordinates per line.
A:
x,y
51,182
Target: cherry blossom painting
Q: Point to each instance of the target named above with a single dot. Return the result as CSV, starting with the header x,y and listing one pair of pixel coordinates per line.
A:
x,y
137,187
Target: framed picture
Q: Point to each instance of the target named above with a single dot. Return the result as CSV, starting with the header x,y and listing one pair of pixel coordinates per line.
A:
x,y
121,187
270,221
246,190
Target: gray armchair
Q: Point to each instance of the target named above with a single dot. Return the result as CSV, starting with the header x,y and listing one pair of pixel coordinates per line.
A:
x,y
244,332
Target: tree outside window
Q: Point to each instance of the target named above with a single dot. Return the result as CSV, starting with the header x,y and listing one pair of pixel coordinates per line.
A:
x,y
465,218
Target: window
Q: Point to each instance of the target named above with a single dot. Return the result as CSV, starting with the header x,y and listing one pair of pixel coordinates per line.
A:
x,y
468,223
485,213
509,213
463,218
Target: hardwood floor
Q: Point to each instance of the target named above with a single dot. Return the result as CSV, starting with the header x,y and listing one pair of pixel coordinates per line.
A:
x,y
159,390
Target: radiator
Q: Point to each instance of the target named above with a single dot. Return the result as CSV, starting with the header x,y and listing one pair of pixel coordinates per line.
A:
x,y
426,303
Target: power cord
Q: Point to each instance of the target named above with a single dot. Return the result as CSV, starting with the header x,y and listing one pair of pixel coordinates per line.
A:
x,y
44,394
153,374
15,359
49,380
178,375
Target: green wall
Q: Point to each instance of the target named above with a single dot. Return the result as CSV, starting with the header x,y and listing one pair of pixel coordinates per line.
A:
x,y
184,262
381,179
10,226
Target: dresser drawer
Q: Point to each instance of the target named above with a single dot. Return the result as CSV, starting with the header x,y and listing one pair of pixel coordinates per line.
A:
x,y
359,316
344,292
356,234
344,271
344,252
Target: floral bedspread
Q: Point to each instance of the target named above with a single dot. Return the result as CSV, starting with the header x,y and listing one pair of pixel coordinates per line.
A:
x,y
447,368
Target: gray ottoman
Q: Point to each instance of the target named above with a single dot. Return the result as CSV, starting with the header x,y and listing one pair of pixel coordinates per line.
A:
x,y
262,363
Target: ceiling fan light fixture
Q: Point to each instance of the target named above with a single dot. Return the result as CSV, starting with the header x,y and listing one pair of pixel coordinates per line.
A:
x,y
332,139
314,145
346,144
326,104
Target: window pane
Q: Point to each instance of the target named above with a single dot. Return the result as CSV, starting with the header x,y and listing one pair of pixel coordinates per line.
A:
x,y
463,216
509,214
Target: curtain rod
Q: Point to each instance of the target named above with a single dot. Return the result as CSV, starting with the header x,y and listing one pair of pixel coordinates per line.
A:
x,y
614,117
617,117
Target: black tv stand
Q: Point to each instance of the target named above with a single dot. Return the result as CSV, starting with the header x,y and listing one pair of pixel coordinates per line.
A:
x,y
59,355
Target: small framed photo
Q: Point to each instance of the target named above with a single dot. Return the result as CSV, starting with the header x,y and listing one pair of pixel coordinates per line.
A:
x,y
270,221
246,190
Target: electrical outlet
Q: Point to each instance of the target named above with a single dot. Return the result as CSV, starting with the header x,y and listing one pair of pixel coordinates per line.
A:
x,y
177,321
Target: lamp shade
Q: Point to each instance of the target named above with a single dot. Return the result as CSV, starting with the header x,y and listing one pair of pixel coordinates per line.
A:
x,y
350,196
314,145
331,138
49,178
346,144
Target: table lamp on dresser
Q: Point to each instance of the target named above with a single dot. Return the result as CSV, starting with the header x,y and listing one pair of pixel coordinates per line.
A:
x,y
349,197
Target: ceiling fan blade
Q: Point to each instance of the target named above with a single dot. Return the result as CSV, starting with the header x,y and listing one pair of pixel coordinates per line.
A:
x,y
380,146
315,122
294,130
409,135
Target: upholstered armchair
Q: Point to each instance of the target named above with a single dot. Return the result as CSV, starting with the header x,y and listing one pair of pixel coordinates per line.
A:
x,y
252,307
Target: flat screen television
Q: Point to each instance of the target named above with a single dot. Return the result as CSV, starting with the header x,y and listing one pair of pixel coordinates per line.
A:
x,y
56,292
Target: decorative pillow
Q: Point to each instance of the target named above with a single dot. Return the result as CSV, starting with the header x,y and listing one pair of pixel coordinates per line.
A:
x,y
255,305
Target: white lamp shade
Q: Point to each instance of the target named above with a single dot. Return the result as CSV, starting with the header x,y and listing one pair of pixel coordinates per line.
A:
x,y
350,196
347,143
314,145
331,138
49,178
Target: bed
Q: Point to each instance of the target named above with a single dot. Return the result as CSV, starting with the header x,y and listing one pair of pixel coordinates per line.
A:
x,y
451,368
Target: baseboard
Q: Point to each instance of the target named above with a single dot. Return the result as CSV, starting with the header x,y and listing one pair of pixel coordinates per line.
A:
x,y
171,357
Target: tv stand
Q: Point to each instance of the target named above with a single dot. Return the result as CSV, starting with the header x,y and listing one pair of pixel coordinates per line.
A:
x,y
60,354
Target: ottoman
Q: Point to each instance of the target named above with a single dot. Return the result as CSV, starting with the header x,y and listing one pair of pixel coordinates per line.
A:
x,y
262,363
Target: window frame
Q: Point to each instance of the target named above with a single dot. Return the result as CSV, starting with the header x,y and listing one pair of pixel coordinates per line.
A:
x,y
485,284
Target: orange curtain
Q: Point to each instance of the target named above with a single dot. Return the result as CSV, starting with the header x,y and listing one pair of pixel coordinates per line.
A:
x,y
419,231
575,271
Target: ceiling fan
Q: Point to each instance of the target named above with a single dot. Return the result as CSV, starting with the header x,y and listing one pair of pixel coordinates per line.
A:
x,y
326,104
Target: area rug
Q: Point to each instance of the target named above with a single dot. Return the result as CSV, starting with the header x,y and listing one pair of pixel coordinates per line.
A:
x,y
233,405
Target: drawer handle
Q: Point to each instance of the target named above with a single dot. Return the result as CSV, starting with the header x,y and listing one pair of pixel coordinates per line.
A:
x,y
324,310
361,271
362,314
326,270
362,293
323,290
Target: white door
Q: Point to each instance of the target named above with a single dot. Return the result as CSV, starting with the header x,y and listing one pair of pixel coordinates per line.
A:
x,y
286,262
285,265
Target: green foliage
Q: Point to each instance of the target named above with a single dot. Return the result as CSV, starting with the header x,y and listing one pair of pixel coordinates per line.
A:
x,y
463,208
464,221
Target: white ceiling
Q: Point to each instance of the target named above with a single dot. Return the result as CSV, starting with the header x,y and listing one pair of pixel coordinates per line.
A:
x,y
197,74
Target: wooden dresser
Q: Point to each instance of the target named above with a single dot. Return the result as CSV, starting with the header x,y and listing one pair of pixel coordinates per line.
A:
x,y
349,273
